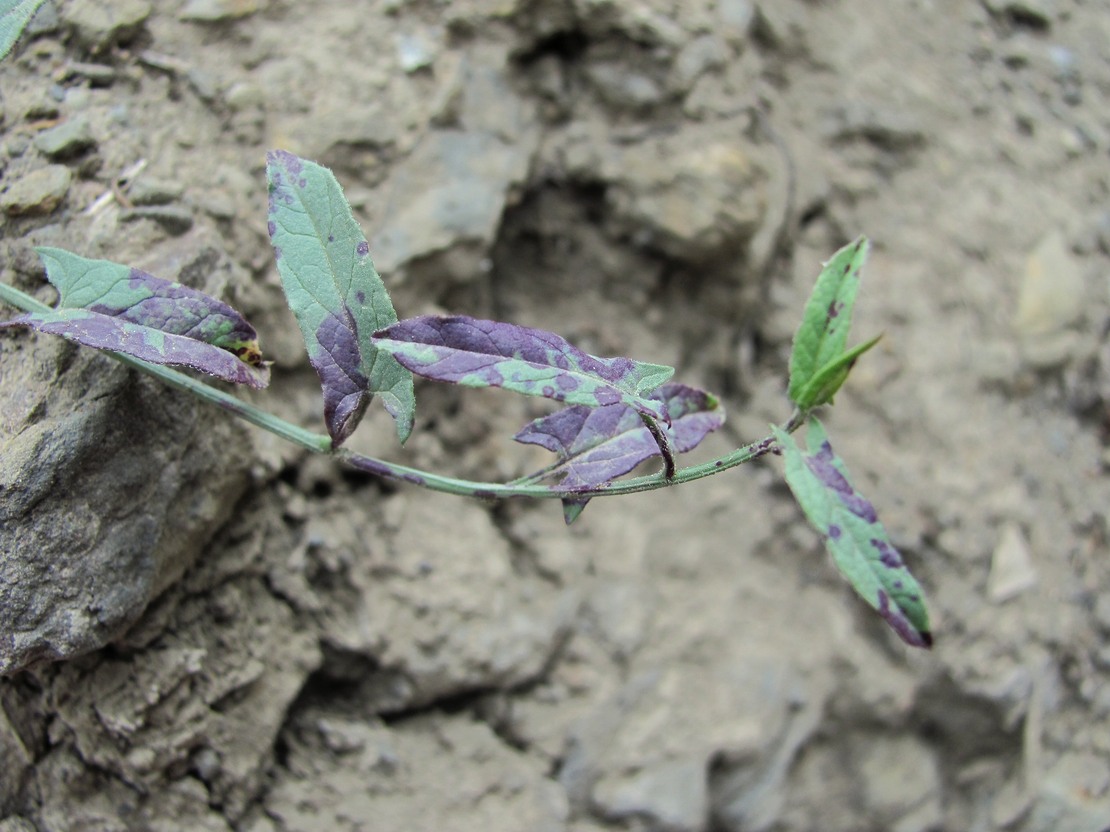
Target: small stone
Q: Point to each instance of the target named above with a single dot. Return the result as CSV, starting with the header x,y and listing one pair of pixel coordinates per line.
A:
x,y
736,14
216,11
173,218
1012,571
622,87
71,137
673,795
1036,13
151,191
39,192
697,57
1052,295
99,25
415,50
99,75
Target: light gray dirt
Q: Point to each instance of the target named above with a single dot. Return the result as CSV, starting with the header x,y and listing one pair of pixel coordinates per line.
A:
x,y
269,643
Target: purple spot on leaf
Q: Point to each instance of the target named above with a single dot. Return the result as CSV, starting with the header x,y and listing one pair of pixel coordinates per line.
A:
x,y
821,464
888,555
834,531
362,249
271,227
901,625
548,391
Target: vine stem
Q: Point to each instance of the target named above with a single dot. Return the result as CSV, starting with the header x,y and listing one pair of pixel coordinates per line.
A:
x,y
321,443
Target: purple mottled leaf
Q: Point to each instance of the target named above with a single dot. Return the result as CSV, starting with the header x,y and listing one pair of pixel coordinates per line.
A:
x,y
857,541
139,298
93,329
479,353
113,307
336,295
597,445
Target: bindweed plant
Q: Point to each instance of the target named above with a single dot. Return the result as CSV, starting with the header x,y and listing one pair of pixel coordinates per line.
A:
x,y
618,412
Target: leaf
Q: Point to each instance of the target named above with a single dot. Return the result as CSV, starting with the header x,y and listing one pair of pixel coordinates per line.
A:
x,y
113,307
597,445
828,380
336,295
855,538
14,17
478,353
823,333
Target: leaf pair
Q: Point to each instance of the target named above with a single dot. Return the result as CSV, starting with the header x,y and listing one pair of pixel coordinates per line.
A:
x,y
613,399
857,541
595,445
113,307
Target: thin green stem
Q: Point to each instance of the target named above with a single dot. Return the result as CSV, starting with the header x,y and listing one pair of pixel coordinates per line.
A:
x,y
320,443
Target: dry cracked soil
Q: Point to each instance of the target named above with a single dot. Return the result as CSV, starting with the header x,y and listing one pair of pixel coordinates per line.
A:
x,y
203,628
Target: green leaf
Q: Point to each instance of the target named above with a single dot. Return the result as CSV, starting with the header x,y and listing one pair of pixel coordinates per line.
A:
x,y
336,295
828,380
857,541
14,17
821,338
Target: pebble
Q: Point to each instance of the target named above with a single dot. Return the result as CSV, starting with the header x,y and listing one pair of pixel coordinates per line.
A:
x,y
697,57
1052,296
673,795
38,192
99,75
99,25
1036,12
71,137
622,87
216,11
173,218
148,190
1012,571
415,50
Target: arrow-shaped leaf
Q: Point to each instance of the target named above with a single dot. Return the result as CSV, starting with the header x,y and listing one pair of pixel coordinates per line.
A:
x,y
14,17
823,333
597,445
335,293
855,538
113,307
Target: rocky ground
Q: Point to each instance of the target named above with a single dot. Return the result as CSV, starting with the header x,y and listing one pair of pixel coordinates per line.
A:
x,y
205,629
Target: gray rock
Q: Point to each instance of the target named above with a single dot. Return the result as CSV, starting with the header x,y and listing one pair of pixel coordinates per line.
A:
x,y
1037,12
1053,292
448,761
109,487
1012,571
671,795
624,87
176,219
98,25
697,198
71,137
147,190
37,192
451,190
217,11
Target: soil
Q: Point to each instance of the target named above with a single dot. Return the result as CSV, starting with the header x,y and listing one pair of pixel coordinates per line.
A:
x,y
210,630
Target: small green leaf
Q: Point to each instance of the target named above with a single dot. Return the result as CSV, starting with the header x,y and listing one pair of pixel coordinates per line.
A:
x,y
14,17
828,380
823,333
855,538
336,295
